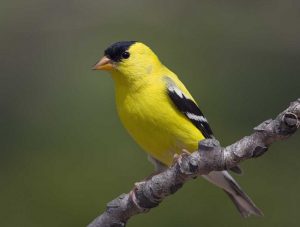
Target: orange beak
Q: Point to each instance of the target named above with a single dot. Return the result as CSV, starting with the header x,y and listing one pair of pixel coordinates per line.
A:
x,y
104,64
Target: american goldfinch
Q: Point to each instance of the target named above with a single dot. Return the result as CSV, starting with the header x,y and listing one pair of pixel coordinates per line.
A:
x,y
160,114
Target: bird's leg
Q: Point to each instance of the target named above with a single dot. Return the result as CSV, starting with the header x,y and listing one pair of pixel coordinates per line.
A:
x,y
178,156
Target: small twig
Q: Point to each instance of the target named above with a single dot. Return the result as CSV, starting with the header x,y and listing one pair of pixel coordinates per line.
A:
x,y
210,157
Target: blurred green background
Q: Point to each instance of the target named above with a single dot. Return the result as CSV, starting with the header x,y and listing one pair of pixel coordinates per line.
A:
x,y
64,153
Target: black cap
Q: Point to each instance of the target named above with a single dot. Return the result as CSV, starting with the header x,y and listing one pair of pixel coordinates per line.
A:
x,y
115,51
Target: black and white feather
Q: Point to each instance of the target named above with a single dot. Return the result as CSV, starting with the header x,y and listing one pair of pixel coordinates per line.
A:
x,y
222,179
188,107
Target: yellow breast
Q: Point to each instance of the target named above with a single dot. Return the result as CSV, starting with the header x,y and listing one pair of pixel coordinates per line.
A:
x,y
154,122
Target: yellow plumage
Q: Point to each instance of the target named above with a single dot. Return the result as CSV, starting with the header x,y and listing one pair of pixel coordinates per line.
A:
x,y
159,112
148,113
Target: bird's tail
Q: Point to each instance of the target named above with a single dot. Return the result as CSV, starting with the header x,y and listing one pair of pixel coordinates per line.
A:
x,y
240,199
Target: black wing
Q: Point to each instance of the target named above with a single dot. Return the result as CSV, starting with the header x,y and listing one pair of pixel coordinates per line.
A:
x,y
189,108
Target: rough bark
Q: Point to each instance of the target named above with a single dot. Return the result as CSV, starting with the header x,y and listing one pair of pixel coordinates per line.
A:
x,y
210,157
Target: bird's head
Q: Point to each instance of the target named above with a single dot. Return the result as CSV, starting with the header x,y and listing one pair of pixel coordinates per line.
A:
x,y
128,60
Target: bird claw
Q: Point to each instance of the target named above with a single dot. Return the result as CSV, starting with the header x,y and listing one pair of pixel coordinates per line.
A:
x,y
185,152
177,157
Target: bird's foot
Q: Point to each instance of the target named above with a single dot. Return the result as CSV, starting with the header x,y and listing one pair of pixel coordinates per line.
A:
x,y
177,157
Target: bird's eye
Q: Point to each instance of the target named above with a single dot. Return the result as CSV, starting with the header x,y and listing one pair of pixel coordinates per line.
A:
x,y
125,55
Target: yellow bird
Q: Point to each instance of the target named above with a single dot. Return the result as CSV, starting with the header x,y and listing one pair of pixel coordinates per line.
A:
x,y
160,114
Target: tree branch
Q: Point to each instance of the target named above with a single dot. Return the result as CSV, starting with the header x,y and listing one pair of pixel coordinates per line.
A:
x,y
210,157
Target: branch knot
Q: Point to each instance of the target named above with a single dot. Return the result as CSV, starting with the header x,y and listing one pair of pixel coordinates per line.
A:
x,y
291,120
